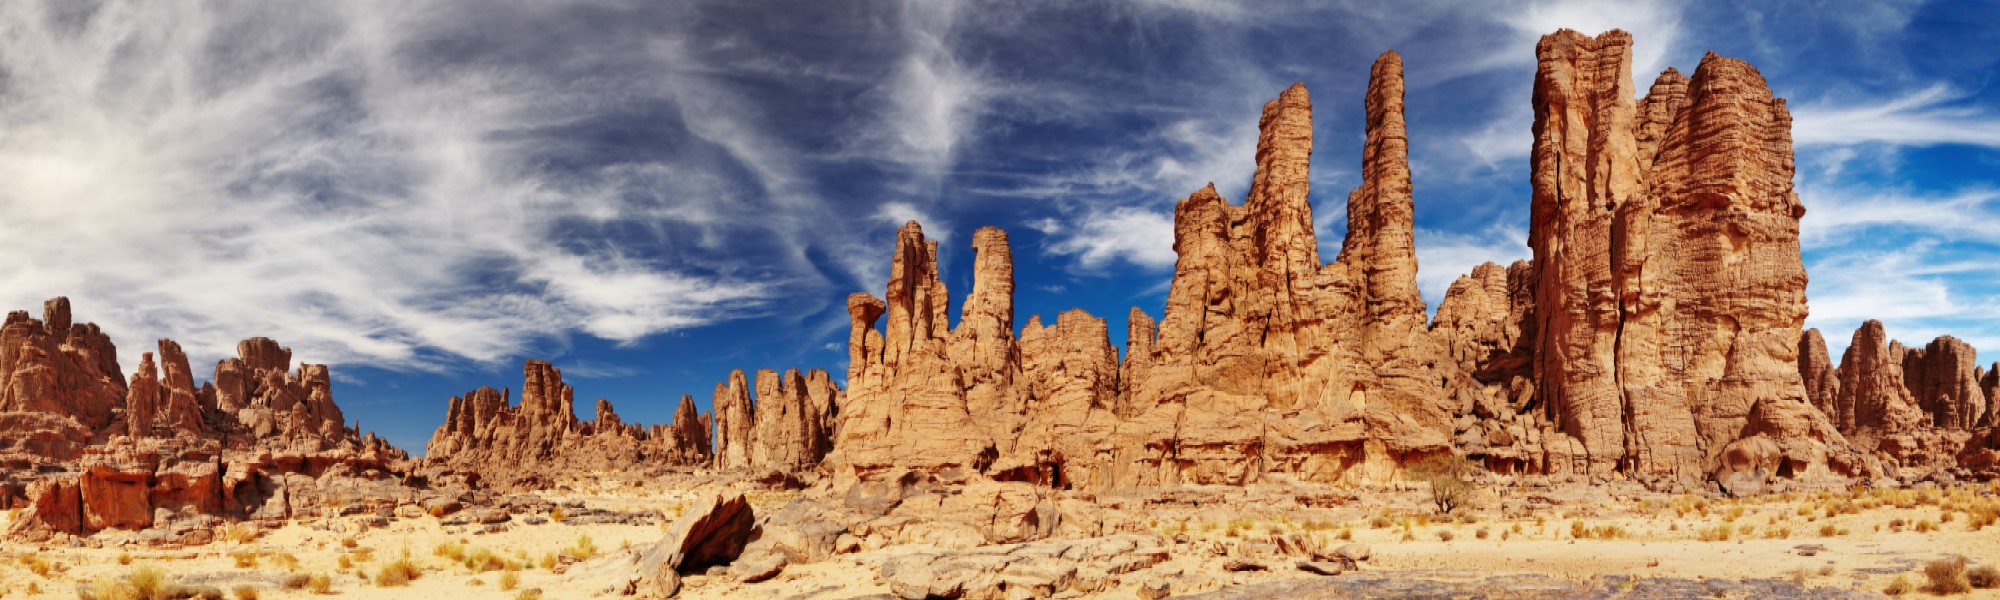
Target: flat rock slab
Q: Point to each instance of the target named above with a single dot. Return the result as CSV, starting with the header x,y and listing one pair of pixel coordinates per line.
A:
x,y
1420,585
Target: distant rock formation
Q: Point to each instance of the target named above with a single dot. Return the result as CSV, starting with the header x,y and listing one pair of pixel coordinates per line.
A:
x,y
530,445
89,450
787,428
1268,365
1924,411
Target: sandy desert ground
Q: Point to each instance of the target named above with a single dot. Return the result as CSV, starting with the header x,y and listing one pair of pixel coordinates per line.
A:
x,y
1860,541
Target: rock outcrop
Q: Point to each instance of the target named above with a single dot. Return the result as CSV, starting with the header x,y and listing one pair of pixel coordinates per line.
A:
x,y
1943,378
92,451
1670,291
786,428
1880,404
498,444
1486,325
1267,365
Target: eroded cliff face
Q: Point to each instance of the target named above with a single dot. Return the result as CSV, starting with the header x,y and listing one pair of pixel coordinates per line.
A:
x,y
1879,402
785,426
535,443
1267,365
1670,293
89,450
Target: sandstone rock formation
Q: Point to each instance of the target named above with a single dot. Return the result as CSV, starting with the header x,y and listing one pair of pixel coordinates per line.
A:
x,y
1670,292
93,451
1486,325
785,427
1943,378
711,533
496,443
1879,403
1268,365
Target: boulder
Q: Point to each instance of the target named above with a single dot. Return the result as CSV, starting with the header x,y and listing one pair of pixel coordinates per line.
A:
x,y
710,533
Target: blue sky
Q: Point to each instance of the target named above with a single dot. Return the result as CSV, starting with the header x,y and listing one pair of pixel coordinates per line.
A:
x,y
652,194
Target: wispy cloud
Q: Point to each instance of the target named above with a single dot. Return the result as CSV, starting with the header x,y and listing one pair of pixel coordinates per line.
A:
x,y
1835,213
1133,235
1930,116
297,172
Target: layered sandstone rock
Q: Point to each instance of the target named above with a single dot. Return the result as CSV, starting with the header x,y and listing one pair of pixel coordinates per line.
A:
x,y
1822,378
1670,291
785,428
56,367
533,444
94,452
1943,378
1485,324
1880,404
1267,363
1872,396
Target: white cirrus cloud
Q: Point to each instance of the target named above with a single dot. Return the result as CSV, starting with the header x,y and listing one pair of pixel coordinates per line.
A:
x,y
1132,235
1929,116
299,172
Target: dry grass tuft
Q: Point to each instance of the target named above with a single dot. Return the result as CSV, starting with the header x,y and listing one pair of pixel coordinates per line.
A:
x,y
1900,586
398,573
1947,576
1984,577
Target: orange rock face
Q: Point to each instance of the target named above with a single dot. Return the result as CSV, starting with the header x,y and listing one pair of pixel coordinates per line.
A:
x,y
787,427
95,452
508,446
1879,402
1670,292
1267,365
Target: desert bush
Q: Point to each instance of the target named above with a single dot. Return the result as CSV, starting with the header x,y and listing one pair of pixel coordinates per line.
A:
x,y
245,560
531,594
450,550
585,549
320,584
481,560
398,573
548,561
245,592
1899,586
1446,474
124,559
1948,576
1984,577
1380,521
1482,533
146,582
1578,530
36,564
295,581
509,580
1445,535
1828,530
1719,533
